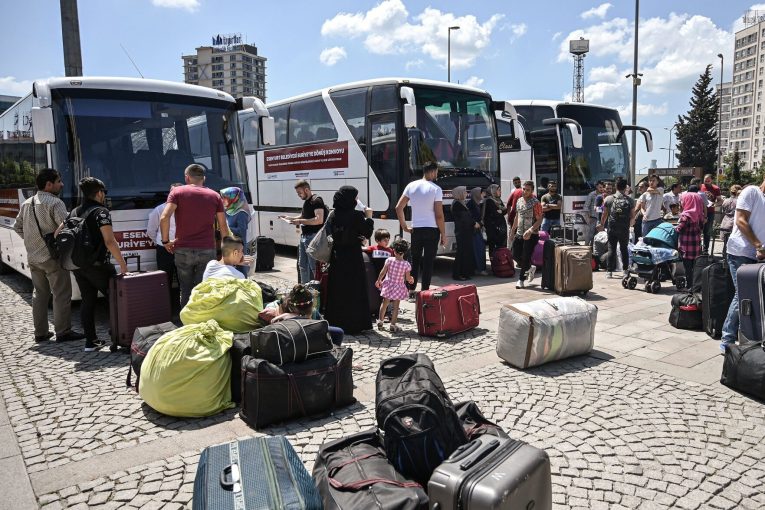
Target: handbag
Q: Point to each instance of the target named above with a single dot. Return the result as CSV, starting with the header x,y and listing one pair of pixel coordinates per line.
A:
x,y
320,247
48,239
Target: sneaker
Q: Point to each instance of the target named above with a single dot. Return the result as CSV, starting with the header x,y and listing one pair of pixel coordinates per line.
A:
x,y
520,285
70,336
483,273
394,328
380,325
43,338
532,272
412,296
93,345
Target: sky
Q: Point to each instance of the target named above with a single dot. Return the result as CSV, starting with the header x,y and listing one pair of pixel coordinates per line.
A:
x,y
513,49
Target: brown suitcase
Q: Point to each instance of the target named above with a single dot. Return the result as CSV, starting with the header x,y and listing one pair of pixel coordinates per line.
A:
x,y
573,269
135,300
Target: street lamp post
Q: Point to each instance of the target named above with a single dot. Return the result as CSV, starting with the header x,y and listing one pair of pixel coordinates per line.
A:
x,y
449,53
635,83
719,122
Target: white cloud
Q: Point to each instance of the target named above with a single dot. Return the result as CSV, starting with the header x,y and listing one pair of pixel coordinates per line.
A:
x,y
10,86
474,81
556,35
643,110
596,12
331,56
414,64
519,30
189,5
387,29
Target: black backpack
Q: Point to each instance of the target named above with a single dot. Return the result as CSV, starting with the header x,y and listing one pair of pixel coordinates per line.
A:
x,y
620,211
144,339
76,246
418,421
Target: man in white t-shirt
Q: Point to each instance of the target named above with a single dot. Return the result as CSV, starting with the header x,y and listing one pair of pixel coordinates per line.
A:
x,y
165,259
672,197
652,204
426,200
232,254
745,246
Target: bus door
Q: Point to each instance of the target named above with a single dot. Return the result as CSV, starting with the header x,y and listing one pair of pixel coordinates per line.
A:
x,y
386,160
546,159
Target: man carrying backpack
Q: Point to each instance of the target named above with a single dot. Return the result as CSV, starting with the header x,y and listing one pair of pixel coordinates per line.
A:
x,y
94,274
38,217
618,215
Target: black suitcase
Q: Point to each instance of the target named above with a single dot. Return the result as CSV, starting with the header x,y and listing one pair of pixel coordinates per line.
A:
x,y
264,259
686,317
261,473
716,294
291,341
272,394
492,473
744,369
548,263
353,473
239,349
751,304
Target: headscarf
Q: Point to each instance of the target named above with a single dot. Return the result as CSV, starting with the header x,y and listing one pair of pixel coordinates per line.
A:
x,y
236,200
693,206
459,194
345,198
492,192
475,195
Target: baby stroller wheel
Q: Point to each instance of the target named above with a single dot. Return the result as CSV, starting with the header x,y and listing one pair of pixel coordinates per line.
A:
x,y
632,283
648,288
655,287
625,281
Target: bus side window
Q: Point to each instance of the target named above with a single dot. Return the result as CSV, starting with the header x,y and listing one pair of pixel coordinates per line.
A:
x,y
384,98
310,122
352,105
279,113
250,133
384,152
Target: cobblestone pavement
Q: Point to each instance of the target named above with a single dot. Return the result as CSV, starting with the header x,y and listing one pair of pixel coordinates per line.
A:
x,y
618,436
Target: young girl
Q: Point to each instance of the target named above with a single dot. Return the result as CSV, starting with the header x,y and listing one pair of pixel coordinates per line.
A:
x,y
300,305
391,282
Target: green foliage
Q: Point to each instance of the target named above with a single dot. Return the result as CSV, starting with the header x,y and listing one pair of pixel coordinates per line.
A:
x,y
696,130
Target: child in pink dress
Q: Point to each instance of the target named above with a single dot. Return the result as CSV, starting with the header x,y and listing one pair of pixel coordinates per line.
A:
x,y
391,282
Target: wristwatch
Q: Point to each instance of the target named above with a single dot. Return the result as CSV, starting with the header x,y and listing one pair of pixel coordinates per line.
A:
x,y
165,241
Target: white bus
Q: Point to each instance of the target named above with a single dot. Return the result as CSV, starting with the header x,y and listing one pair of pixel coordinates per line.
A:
x,y
136,135
375,135
574,144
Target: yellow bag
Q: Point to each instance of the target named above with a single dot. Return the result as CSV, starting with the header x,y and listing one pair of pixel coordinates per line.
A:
x,y
231,302
187,372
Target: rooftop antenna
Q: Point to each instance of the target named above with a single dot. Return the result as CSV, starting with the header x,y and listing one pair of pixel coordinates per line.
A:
x,y
131,60
579,49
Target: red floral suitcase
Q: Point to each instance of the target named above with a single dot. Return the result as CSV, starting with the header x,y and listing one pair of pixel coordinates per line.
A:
x,y
447,310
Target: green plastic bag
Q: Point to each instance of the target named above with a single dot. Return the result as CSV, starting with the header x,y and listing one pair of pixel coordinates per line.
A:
x,y
231,302
187,372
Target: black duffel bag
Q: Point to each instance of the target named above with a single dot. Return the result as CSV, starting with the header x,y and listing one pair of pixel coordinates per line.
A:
x,y
144,339
353,472
474,423
744,369
686,317
291,341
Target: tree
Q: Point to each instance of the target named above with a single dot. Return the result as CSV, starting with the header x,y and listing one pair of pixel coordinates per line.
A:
x,y
696,130
732,170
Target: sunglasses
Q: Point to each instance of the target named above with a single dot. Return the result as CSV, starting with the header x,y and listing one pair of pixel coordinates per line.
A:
x,y
106,192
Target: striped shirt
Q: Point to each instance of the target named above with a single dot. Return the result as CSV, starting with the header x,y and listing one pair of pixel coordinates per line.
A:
x,y
51,212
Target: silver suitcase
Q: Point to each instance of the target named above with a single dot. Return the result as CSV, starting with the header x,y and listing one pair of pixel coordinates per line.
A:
x,y
538,332
492,473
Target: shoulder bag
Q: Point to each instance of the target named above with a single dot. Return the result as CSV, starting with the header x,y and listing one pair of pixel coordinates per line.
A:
x,y
320,247
49,239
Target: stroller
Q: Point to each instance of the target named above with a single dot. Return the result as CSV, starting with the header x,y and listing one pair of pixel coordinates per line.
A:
x,y
655,260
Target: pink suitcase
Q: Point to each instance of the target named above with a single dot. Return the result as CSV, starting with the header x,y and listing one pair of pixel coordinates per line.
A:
x,y
537,258
447,310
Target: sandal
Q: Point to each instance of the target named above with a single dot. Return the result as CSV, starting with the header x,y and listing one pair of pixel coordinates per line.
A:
x,y
394,328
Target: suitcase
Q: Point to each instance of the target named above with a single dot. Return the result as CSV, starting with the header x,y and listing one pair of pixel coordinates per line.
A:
x,y
264,260
144,339
291,341
573,269
373,293
354,473
530,334
744,369
716,295
493,473
699,264
537,257
502,263
272,394
239,349
548,264
686,317
260,473
137,299
751,287
447,310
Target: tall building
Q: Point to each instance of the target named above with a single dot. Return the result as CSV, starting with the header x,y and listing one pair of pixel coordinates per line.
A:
x,y
7,101
229,65
724,121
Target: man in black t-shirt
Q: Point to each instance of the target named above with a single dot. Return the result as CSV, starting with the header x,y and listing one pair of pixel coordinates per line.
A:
x,y
311,219
552,203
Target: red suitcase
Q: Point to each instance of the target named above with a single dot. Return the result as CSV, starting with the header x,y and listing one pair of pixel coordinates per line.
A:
x,y
447,310
136,300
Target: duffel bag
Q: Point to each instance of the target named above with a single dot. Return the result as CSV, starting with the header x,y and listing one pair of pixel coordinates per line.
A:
x,y
744,369
686,317
685,299
291,340
474,423
353,472
143,340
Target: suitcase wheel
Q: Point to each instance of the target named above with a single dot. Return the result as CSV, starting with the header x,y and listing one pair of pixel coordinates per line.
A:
x,y
114,348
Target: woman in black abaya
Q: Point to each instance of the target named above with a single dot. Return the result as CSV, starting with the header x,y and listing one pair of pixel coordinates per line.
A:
x,y
347,300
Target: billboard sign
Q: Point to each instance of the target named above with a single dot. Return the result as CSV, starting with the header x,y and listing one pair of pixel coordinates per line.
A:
x,y
331,159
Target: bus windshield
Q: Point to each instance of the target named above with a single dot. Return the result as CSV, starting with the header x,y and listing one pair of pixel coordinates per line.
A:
x,y
601,156
139,143
455,129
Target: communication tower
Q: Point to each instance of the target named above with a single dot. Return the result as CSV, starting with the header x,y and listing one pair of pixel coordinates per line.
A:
x,y
579,48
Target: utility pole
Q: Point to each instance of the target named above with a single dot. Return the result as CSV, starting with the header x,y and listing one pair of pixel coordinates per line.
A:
x,y
70,34
635,83
719,121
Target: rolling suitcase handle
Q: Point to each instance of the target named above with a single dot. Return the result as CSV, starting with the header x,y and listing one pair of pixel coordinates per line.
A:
x,y
137,261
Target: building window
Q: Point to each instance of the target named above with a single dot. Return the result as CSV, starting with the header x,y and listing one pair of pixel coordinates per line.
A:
x,y
217,59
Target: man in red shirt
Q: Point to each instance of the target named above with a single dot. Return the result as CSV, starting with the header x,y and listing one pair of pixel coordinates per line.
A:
x,y
512,199
196,208
715,198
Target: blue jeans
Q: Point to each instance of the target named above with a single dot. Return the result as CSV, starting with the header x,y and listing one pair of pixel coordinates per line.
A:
x,y
190,264
648,225
547,224
306,263
336,334
709,229
479,251
730,327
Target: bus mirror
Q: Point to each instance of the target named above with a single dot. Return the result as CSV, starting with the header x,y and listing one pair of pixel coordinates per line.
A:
x,y
410,116
42,125
646,134
507,109
252,103
267,131
576,135
407,94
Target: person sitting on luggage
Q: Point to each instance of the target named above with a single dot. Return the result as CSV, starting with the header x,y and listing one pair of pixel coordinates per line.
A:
x,y
689,228
391,283
381,250
525,232
300,305
232,255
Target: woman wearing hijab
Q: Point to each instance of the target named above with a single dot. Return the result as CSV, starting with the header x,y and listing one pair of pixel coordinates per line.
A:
x,y
689,228
237,217
494,222
464,228
479,245
347,299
